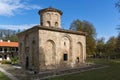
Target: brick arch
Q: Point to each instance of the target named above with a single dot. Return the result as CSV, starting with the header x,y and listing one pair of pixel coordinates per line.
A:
x,y
50,55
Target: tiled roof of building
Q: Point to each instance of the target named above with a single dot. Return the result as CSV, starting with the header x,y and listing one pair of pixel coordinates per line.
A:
x,y
38,27
8,44
50,9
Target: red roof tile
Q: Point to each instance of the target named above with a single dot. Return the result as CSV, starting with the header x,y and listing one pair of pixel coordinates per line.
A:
x,y
8,44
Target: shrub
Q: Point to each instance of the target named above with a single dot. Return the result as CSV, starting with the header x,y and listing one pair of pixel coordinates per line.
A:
x,y
14,60
5,62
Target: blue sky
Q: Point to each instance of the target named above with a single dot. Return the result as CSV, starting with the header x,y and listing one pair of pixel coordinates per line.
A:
x,y
23,14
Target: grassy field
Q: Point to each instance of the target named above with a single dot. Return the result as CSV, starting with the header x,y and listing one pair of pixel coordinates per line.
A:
x,y
110,73
3,77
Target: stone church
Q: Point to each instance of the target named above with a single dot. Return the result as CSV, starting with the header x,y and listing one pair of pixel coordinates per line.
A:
x,y
48,46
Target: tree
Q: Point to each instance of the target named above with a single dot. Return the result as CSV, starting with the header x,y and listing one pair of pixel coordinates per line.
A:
x,y
118,38
87,27
111,45
118,43
76,25
8,35
13,38
100,47
117,5
1,35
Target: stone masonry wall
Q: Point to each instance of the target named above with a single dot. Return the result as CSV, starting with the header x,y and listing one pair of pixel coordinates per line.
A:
x,y
29,50
53,17
53,45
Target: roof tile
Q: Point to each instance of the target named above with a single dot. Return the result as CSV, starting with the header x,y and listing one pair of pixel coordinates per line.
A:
x,y
8,44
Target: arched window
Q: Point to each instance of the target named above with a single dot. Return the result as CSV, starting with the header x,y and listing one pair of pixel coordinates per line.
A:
x,y
48,23
64,43
56,17
78,59
41,23
49,15
56,24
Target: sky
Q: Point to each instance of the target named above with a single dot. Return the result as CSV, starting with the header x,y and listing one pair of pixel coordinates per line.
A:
x,y
23,14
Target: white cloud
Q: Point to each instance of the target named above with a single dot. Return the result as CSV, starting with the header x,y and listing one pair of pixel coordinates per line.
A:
x,y
17,27
10,7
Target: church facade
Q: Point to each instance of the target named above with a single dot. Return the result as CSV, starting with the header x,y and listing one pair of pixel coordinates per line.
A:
x,y
47,46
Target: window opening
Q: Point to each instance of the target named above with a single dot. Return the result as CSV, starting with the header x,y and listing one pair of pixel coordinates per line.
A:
x,y
65,57
78,59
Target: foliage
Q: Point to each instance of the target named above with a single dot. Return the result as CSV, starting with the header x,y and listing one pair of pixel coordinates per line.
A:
x,y
117,5
87,27
118,43
5,62
13,38
118,38
109,73
76,25
100,47
8,35
111,46
14,60
108,49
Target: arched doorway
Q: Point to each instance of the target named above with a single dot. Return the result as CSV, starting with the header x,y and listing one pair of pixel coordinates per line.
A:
x,y
27,62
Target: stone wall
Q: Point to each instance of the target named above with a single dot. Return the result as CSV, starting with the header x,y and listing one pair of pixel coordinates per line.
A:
x,y
43,48
55,45
29,50
51,19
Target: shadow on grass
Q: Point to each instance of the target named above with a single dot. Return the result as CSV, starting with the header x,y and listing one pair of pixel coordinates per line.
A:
x,y
110,73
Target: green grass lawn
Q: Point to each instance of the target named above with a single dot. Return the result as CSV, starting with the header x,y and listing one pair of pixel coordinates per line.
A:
x,y
110,73
3,77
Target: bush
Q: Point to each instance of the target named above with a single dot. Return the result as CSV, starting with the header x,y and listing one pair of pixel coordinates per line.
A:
x,y
113,56
14,60
5,62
